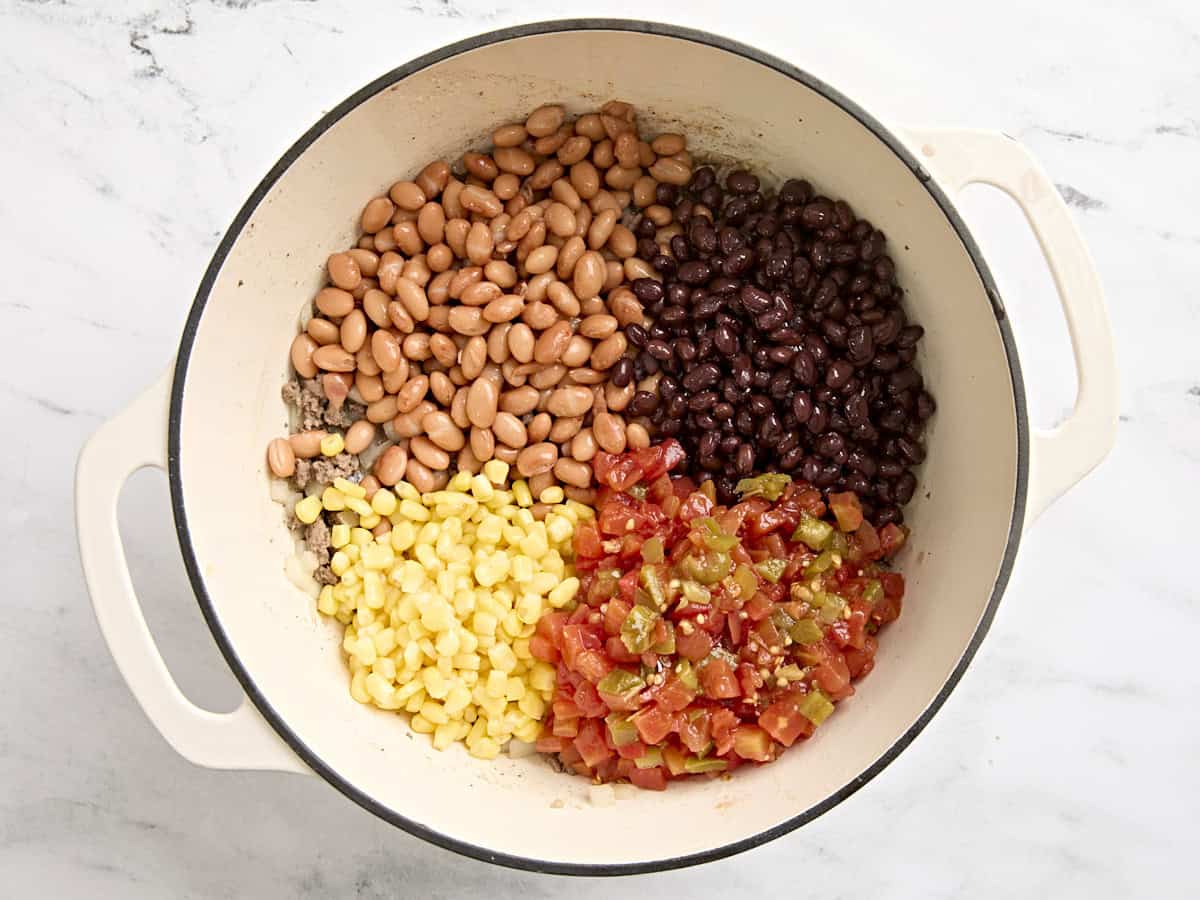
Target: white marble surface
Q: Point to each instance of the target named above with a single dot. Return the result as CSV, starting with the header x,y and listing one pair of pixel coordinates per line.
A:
x,y
1065,763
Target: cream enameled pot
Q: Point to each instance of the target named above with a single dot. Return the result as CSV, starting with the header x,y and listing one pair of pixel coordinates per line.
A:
x,y
986,477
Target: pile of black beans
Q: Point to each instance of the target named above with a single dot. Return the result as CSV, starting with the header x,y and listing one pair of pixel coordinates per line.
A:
x,y
779,342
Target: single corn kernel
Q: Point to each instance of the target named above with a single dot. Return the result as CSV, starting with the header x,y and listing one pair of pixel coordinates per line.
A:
x,y
326,603
354,504
501,657
411,509
340,563
339,536
460,482
563,593
349,488
496,470
332,444
522,494
308,509
370,520
552,494
384,502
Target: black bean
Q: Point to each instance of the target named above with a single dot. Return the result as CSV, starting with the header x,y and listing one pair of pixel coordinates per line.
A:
x,y
622,372
695,271
643,403
817,214
744,461
637,335
838,374
665,265
659,349
925,405
702,178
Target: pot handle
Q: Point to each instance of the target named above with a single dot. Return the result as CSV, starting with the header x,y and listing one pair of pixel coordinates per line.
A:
x,y
132,440
1063,455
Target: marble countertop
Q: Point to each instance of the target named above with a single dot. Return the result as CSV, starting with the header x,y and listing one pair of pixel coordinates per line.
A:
x,y
1065,763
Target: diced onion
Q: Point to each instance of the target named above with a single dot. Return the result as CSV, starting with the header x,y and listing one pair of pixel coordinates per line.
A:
x,y
281,491
301,577
602,795
520,749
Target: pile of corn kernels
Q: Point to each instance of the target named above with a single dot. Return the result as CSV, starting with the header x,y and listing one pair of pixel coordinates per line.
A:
x,y
439,610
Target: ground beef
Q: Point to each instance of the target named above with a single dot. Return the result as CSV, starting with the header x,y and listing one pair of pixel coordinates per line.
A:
x,y
315,410
324,469
316,538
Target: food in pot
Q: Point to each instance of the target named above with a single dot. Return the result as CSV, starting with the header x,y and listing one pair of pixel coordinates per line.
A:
x,y
705,635
707,396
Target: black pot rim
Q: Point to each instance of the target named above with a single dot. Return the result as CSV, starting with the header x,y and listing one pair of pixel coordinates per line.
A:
x,y
174,448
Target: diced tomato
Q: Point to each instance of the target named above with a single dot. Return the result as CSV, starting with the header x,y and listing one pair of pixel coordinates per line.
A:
x,y
748,679
717,680
847,509
892,538
783,721
615,614
587,541
673,695
548,743
737,714
618,471
543,648
653,723
694,507
723,722
590,742
861,662
751,742
695,730
566,728
593,664
867,540
632,750
618,652
833,676
694,644
654,779
588,701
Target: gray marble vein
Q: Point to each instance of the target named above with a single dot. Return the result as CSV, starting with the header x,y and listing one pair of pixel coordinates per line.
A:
x,y
1065,763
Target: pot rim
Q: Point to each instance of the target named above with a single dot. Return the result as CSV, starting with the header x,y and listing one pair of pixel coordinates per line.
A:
x,y
187,340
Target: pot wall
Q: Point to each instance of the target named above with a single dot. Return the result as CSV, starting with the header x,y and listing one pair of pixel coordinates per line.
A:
x,y
235,365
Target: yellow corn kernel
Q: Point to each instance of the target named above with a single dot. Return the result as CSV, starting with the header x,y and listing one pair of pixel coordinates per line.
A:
x,y
373,594
349,488
405,491
582,512
445,735
339,536
496,470
339,563
552,494
501,657
332,444
558,528
529,608
385,641
532,705
467,661
497,683
529,732
326,603
359,538
354,504
522,494
308,509
553,563
448,643
534,544
542,676
460,482
369,521
358,687
515,689
421,725
378,556
524,518
384,502
521,650
563,593
413,510
481,488
484,623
